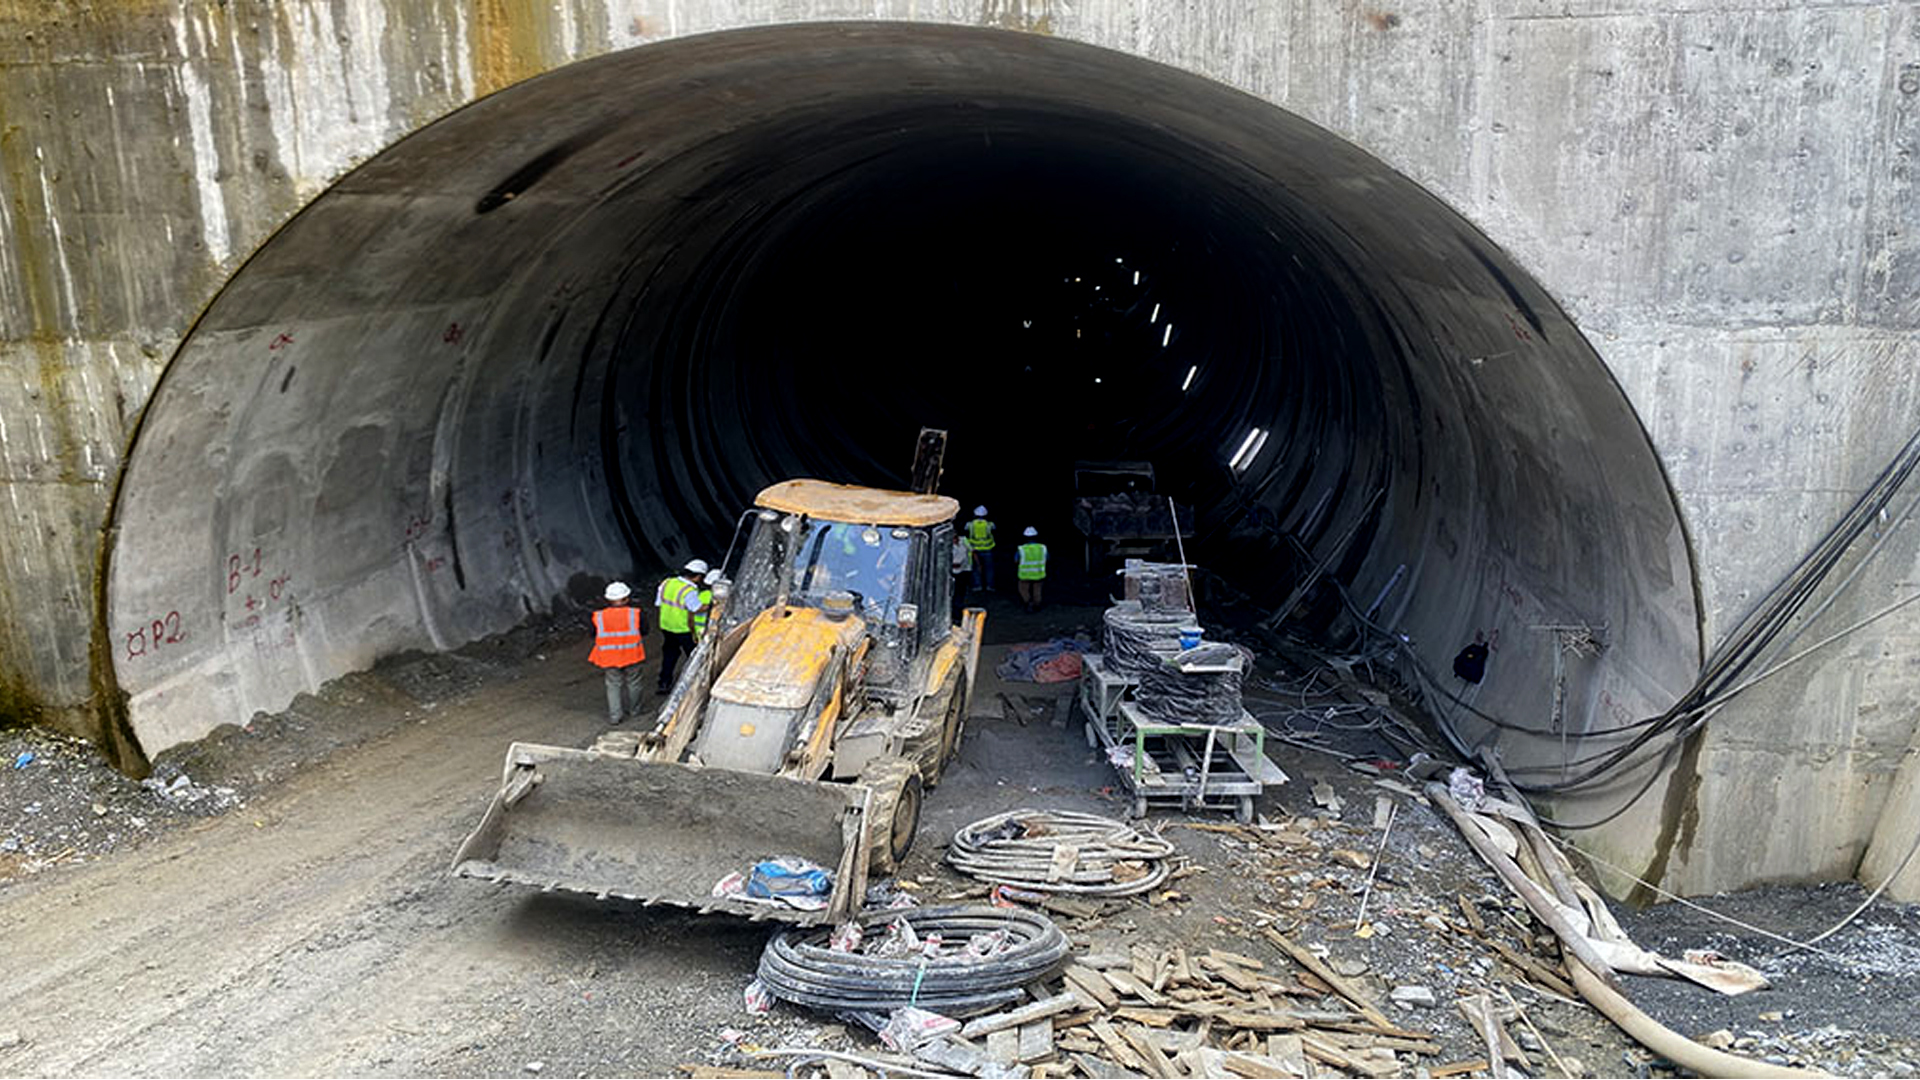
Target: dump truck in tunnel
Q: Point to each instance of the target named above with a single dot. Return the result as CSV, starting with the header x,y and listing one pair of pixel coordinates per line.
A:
x,y
829,692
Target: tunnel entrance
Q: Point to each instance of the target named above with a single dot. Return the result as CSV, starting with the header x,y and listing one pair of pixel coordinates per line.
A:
x,y
568,331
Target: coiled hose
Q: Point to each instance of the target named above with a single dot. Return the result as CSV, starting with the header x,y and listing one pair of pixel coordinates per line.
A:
x,y
1017,848
1135,640
1171,693
798,966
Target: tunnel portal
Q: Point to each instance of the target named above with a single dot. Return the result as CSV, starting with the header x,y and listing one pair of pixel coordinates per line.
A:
x,y
567,332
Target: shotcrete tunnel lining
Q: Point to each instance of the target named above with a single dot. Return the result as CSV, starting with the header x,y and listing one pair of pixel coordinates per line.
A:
x,y
566,332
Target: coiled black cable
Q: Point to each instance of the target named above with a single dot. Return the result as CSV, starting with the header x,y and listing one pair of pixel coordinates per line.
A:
x,y
798,966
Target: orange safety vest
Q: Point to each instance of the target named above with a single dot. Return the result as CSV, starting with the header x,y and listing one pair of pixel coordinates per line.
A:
x,y
616,638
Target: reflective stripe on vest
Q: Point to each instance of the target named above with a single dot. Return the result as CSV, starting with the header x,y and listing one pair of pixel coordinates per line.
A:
x,y
1033,562
980,534
700,617
672,599
616,638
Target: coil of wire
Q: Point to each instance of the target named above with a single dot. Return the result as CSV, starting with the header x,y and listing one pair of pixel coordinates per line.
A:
x,y
1171,692
1136,640
1018,848
798,965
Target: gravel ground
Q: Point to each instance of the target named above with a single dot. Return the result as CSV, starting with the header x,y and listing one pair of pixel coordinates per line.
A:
x,y
66,816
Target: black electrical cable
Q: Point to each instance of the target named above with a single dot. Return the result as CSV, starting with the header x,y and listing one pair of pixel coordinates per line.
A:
x,y
799,966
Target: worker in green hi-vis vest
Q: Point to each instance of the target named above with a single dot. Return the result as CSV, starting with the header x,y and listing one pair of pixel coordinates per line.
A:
x,y
979,534
1032,567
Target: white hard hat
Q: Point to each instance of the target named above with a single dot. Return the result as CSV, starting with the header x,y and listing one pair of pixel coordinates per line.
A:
x,y
696,566
1031,531
618,590
979,511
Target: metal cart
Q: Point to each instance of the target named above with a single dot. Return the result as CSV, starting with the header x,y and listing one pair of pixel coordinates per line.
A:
x,y
1193,766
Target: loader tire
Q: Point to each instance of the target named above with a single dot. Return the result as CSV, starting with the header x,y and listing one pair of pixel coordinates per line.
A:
x,y
894,813
953,727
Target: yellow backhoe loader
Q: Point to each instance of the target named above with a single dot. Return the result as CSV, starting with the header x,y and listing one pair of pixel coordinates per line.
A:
x,y
829,691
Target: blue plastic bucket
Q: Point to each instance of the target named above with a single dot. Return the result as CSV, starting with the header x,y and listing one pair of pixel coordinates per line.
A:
x,y
1189,636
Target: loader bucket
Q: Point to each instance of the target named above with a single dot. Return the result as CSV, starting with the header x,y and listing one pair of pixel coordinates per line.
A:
x,y
660,833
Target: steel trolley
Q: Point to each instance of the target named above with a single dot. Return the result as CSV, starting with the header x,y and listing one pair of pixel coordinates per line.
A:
x,y
1193,766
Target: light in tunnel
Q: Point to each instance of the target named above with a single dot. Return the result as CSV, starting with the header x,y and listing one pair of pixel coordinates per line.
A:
x,y
1188,381
1249,449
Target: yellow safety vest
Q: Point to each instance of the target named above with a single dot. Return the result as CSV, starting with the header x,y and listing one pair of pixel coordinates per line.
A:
x,y
700,617
980,534
1033,561
672,599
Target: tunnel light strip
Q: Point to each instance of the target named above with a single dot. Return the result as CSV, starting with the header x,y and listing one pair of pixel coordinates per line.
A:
x,y
1245,445
1155,317
1136,277
1166,337
1188,381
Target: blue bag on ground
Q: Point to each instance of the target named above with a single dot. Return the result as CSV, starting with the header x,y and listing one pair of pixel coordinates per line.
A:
x,y
788,877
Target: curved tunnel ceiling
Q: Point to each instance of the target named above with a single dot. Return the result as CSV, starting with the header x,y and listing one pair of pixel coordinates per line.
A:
x,y
568,331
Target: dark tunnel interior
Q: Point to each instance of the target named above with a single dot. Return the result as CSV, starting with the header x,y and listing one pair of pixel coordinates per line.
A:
x,y
1047,296
567,333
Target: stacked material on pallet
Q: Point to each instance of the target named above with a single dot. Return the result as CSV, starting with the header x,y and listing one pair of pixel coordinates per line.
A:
x,y
1200,685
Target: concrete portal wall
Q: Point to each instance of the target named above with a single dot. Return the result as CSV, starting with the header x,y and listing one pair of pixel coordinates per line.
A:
x,y
1720,194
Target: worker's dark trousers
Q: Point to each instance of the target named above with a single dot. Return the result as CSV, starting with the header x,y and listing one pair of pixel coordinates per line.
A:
x,y
672,647
983,570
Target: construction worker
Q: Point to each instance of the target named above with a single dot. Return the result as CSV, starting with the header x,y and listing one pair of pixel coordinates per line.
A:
x,y
678,598
962,564
980,538
1032,568
618,648
700,614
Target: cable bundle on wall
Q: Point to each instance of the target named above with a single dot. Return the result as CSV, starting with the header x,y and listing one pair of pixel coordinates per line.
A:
x,y
1763,630
1023,848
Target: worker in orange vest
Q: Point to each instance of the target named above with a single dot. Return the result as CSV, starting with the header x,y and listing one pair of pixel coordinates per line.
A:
x,y
618,648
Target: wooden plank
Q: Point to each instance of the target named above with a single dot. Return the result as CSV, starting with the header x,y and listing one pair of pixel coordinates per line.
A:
x,y
1532,969
1365,1035
1036,1041
1237,977
1235,959
1025,1014
1003,1045
1182,970
1458,1068
1256,1067
720,1072
1326,975
1127,983
1093,984
1329,1054
1117,1048
1155,1061
1142,965
1100,1069
1472,913
1150,1017
1248,1020
1287,1050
